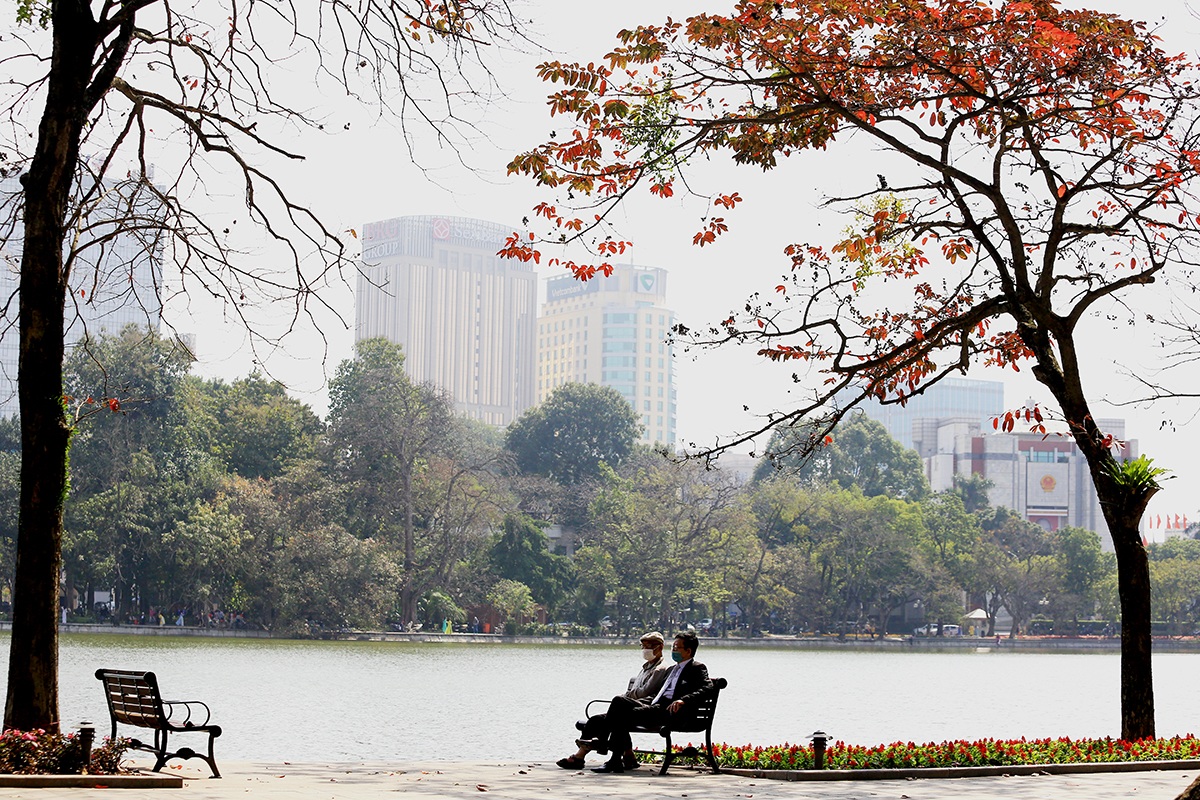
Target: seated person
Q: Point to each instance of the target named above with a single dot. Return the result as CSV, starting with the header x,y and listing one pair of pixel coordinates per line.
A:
x,y
642,686
675,703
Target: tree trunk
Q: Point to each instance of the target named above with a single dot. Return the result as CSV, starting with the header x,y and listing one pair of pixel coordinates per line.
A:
x,y
32,700
1137,675
408,602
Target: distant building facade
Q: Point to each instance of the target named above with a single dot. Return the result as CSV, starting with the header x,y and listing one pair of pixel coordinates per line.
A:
x,y
1044,479
612,331
114,282
465,318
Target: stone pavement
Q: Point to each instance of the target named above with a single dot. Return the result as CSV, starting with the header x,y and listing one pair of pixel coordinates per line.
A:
x,y
525,781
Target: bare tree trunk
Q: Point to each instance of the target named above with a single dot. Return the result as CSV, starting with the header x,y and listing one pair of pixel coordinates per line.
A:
x,y
32,700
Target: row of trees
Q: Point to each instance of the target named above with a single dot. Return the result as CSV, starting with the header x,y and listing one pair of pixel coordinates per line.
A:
x,y
192,495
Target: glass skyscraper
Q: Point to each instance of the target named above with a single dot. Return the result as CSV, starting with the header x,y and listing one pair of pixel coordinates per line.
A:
x,y
612,331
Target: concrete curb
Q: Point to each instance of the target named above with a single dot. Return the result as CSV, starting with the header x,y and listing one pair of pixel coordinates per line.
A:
x,y
91,781
1088,768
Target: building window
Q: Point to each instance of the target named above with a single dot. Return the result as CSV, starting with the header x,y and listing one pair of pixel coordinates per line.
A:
x,y
646,405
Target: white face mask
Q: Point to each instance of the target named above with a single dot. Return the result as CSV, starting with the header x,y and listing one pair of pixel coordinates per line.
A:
x,y
648,654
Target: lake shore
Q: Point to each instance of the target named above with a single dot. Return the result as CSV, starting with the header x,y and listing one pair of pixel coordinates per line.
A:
x,y
1024,644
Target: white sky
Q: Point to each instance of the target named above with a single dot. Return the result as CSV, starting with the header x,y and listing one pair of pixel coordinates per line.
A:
x,y
365,174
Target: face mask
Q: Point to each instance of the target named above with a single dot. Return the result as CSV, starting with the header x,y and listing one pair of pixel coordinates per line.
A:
x,y
676,656
648,653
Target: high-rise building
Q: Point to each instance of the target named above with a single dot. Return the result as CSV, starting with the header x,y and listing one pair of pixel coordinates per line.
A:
x,y
612,331
465,317
950,398
115,278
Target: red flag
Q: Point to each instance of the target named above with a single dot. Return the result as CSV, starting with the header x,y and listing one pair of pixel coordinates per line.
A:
x,y
1168,522
1177,525
1158,524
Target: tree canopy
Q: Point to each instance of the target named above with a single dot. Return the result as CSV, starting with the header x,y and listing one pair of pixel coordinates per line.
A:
x,y
579,426
861,454
1048,157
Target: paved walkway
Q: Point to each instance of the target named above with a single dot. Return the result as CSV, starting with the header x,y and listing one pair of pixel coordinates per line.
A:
x,y
527,781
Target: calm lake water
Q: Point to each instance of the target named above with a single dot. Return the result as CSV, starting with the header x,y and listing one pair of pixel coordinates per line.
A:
x,y
383,701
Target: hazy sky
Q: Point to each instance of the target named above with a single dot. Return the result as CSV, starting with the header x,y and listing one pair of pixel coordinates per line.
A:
x,y
365,173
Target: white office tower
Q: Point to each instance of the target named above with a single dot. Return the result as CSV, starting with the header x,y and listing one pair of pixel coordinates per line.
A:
x,y
115,277
464,316
612,331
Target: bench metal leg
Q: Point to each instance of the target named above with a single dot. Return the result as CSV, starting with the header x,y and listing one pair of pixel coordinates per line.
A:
x,y
708,752
668,756
162,755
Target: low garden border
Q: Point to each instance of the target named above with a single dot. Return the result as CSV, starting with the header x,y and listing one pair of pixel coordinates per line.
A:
x,y
91,781
905,773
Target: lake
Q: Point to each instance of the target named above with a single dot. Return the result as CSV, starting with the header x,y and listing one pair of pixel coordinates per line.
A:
x,y
308,701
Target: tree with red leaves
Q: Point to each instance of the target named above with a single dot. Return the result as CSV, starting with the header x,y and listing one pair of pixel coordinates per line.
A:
x,y
1050,158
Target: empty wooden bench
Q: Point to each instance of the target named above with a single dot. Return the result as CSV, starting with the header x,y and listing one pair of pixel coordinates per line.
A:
x,y
702,720
134,699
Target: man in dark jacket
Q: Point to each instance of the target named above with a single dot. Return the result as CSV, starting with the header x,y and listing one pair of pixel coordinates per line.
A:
x,y
686,684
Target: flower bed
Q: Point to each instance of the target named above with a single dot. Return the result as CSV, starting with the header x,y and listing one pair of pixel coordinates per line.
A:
x,y
982,753
39,753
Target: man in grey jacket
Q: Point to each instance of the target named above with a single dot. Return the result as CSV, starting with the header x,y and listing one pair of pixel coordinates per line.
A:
x,y
642,686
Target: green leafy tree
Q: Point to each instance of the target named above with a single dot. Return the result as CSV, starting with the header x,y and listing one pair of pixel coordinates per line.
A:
x,y
331,579
519,553
973,490
865,552
950,540
669,528
257,429
384,430
1176,583
1082,568
579,426
511,599
1023,568
862,454
134,471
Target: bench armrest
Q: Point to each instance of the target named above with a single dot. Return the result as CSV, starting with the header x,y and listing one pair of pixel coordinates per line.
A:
x,y
587,711
186,713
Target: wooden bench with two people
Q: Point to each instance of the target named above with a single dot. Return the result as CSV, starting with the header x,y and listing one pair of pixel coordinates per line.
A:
x,y
663,698
134,699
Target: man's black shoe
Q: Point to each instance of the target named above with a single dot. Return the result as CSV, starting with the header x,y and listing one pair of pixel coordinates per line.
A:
x,y
630,762
612,765
598,746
